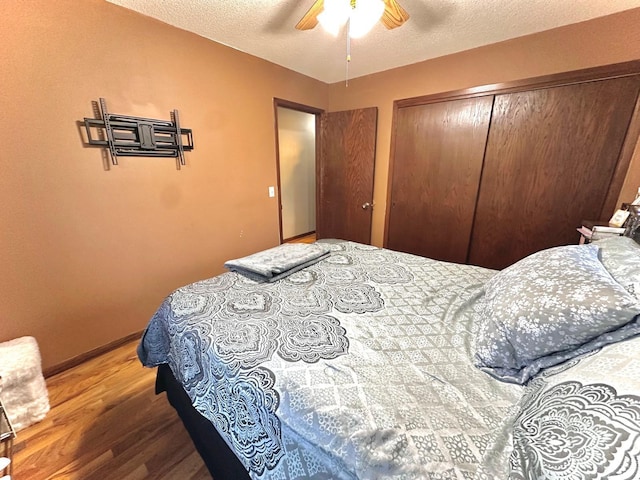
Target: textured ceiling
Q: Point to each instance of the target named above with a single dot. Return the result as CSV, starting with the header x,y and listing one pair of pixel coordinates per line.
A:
x,y
265,28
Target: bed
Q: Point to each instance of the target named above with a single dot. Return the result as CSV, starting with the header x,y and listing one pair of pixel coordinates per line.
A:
x,y
371,363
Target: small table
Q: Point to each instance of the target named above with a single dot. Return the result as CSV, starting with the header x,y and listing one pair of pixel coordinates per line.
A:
x,y
7,434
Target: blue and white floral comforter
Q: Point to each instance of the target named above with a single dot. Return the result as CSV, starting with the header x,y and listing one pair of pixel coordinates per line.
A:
x,y
356,367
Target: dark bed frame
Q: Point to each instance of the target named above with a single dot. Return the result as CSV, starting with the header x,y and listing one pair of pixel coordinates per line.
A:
x,y
218,457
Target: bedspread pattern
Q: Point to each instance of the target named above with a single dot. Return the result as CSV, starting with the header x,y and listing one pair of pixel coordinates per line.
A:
x,y
356,367
579,420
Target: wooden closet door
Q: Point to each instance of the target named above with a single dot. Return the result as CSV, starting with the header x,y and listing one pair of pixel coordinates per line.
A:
x,y
435,177
550,159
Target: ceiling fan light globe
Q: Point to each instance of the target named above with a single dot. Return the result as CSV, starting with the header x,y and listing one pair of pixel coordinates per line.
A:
x,y
335,15
364,16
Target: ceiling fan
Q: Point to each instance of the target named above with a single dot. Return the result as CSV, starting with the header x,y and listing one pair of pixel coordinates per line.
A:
x,y
393,15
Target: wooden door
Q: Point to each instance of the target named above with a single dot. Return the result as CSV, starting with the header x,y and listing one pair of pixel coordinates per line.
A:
x,y
550,159
435,177
345,174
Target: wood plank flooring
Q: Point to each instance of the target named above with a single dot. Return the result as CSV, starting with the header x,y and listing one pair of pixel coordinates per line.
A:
x,y
310,238
107,423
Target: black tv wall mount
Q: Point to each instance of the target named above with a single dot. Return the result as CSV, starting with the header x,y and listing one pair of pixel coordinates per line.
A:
x,y
127,136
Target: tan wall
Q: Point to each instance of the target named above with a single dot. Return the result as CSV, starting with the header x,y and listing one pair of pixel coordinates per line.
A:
x,y
602,41
86,254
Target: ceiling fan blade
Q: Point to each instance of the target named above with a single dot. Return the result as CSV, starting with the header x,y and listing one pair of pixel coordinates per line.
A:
x,y
310,18
394,15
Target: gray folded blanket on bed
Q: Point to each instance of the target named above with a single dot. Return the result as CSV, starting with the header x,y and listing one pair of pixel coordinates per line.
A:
x,y
278,262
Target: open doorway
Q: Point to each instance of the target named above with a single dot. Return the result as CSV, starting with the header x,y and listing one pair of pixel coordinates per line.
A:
x,y
296,142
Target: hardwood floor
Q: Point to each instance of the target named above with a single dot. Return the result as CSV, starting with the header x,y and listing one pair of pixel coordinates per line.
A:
x,y
310,238
107,423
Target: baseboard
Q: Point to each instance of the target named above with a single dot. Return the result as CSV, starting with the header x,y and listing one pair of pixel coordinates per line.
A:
x,y
83,357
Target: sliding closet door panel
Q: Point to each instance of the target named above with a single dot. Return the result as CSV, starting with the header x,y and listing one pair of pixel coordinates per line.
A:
x,y
550,158
435,177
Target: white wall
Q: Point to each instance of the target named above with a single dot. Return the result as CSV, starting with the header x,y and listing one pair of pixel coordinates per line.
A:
x,y
297,149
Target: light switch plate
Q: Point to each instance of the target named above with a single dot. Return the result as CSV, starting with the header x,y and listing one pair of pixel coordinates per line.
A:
x,y
272,192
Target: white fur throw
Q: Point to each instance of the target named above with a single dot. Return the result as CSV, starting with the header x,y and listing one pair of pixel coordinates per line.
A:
x,y
22,388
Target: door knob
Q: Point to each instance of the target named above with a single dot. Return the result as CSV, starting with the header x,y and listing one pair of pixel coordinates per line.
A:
x,y
366,205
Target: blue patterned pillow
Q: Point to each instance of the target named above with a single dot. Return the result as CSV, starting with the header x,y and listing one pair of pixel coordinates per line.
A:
x,y
549,307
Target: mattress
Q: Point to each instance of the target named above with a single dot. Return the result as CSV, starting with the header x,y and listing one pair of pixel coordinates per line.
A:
x,y
359,366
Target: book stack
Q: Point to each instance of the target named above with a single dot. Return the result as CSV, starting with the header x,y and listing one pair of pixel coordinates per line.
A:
x,y
598,232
